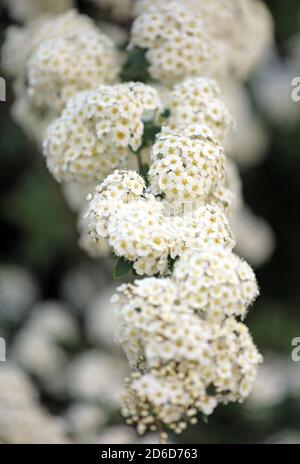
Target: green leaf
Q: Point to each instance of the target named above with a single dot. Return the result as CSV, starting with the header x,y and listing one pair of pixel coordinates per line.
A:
x,y
144,172
123,267
150,132
136,67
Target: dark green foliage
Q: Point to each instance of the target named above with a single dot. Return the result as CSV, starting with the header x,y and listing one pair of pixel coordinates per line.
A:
x,y
144,172
123,267
136,67
150,132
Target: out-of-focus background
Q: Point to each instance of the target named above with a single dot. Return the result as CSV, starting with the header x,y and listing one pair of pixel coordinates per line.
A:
x,y
64,371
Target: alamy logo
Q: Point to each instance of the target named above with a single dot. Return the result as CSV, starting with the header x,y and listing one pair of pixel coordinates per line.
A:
x,y
2,90
296,89
296,350
2,349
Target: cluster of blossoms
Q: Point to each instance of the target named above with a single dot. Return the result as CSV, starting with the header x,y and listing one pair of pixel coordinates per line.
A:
x,y
180,336
21,42
97,131
243,30
176,41
23,420
237,36
62,67
216,283
33,121
132,221
27,10
187,165
178,324
50,61
198,101
147,231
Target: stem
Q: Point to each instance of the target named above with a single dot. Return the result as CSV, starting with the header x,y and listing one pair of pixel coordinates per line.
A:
x,y
140,162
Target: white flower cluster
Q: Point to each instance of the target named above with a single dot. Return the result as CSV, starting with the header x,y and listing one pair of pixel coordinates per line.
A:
x,y
52,58
97,131
216,283
187,165
198,101
179,326
204,226
27,10
132,221
144,230
22,420
255,237
95,377
176,41
18,291
33,120
64,66
241,31
247,145
187,359
21,42
37,347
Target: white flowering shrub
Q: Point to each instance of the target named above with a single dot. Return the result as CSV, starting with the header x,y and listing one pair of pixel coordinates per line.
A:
x,y
97,131
140,228
23,420
50,61
62,67
216,283
145,133
21,42
219,358
237,34
188,358
187,165
198,101
176,41
133,223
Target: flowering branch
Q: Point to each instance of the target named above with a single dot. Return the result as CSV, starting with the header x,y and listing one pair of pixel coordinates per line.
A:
x,y
168,222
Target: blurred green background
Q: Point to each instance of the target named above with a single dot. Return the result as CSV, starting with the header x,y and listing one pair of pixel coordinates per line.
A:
x,y
38,232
